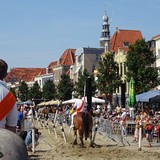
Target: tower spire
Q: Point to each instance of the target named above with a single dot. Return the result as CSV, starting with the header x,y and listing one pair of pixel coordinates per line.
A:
x,y
105,34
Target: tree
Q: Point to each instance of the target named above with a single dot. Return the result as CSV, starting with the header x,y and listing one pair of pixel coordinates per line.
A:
x,y
81,83
13,90
139,60
35,91
108,76
49,90
65,87
23,91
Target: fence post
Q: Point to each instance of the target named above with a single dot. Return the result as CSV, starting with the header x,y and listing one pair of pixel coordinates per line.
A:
x,y
33,139
95,131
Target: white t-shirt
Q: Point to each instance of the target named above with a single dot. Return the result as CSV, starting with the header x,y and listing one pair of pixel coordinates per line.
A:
x,y
123,117
30,114
78,104
11,118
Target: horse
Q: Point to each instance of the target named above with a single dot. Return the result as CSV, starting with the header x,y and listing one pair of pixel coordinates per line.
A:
x,y
83,123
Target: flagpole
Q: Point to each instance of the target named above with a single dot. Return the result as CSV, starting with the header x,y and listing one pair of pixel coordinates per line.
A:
x,y
84,91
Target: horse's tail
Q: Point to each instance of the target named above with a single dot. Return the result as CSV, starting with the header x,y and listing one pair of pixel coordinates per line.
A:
x,y
85,118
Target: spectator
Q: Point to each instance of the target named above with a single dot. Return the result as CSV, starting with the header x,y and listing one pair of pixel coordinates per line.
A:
x,y
136,132
28,139
158,132
19,118
148,130
30,113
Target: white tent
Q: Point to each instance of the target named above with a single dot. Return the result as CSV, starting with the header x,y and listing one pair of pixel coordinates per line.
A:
x,y
97,100
41,104
70,101
55,102
94,100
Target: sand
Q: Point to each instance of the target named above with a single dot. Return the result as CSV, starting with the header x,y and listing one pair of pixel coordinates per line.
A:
x,y
52,148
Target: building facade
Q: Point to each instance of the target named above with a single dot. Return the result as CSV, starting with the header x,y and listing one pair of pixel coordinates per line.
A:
x,y
86,58
155,44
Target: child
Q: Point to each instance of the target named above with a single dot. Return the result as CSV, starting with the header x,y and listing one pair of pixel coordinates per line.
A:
x,y
136,132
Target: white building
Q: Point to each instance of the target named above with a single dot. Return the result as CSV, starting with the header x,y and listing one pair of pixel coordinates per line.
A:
x,y
41,79
157,52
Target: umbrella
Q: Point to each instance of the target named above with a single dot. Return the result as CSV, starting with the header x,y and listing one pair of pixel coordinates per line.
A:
x,y
132,95
29,102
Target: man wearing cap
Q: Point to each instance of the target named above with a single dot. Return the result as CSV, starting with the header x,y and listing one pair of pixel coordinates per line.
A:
x,y
8,107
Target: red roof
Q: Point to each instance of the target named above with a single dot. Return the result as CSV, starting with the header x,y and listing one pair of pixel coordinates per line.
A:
x,y
124,36
25,74
67,59
52,64
157,36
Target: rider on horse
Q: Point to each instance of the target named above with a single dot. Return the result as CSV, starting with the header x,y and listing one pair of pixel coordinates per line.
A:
x,y
79,106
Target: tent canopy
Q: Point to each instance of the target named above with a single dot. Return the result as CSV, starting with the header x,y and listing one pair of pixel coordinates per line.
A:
x,y
51,102
94,100
145,97
155,99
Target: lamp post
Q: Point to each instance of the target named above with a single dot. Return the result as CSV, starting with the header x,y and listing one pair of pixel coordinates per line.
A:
x,y
123,96
89,93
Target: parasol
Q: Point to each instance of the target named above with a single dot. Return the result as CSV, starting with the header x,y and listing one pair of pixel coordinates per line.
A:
x,y
132,94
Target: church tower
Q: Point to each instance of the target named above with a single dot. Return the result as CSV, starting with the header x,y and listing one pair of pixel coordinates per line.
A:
x,y
105,35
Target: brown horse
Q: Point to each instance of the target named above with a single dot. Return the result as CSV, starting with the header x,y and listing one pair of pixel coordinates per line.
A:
x,y
83,123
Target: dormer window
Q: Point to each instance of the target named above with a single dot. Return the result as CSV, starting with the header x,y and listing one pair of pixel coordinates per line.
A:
x,y
126,44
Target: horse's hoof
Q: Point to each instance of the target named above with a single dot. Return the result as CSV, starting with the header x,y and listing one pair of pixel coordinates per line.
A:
x,y
82,146
74,143
92,146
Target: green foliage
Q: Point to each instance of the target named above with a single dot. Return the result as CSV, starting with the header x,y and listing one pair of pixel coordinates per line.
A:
x,y
23,91
13,91
35,92
49,90
65,88
81,83
108,77
139,60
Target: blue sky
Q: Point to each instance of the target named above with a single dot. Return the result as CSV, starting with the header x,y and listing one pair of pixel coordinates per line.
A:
x,y
34,33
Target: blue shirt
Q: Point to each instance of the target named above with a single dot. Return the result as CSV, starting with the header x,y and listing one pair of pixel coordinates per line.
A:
x,y
20,116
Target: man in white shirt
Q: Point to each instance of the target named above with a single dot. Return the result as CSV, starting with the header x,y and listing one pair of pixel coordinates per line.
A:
x,y
8,107
79,107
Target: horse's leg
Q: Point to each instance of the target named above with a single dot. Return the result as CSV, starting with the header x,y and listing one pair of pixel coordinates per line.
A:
x,y
80,131
91,141
75,137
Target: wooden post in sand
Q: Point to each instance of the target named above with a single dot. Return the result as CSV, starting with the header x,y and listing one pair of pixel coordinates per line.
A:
x,y
140,131
33,139
95,131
